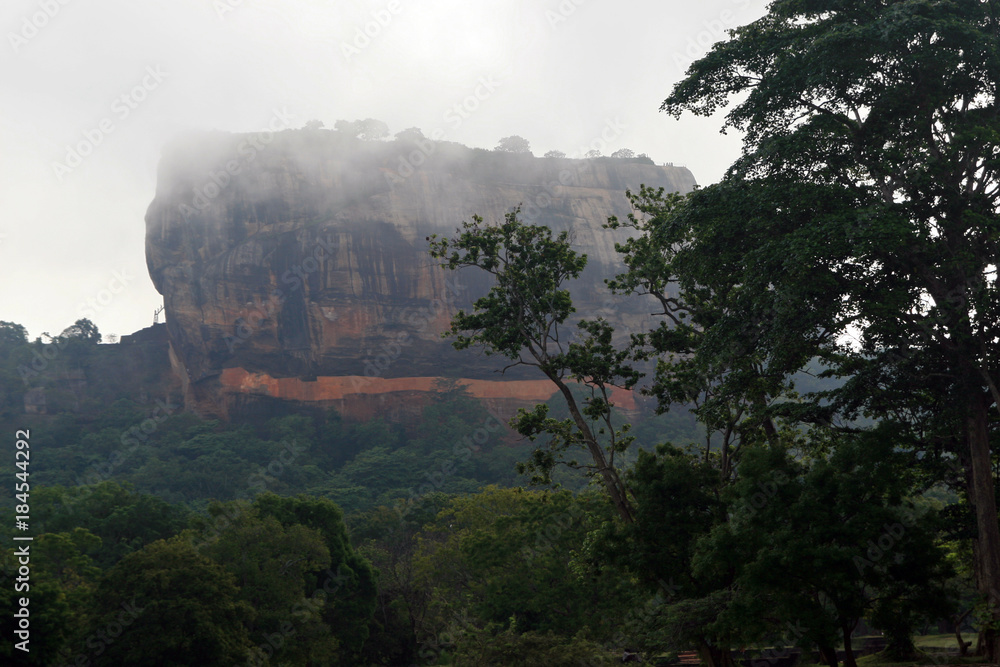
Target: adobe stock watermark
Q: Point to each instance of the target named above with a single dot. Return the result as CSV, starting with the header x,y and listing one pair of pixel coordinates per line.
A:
x,y
418,320
547,536
532,208
462,450
33,24
463,110
306,609
766,492
640,617
88,309
246,152
104,297
121,108
433,646
223,7
771,655
881,546
102,638
295,277
257,483
131,439
363,35
714,30
454,116
562,13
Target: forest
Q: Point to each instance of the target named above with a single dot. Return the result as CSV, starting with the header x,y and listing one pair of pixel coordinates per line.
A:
x,y
818,484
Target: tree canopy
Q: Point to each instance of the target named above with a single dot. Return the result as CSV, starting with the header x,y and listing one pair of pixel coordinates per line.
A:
x,y
513,144
861,224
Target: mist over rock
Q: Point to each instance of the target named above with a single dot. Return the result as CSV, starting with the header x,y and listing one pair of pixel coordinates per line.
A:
x,y
295,266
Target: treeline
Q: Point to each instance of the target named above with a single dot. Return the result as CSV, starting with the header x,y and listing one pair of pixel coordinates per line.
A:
x,y
153,545
145,517
118,578
126,497
793,554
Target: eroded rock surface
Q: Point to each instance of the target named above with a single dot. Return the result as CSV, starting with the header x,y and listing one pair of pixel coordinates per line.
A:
x,y
303,255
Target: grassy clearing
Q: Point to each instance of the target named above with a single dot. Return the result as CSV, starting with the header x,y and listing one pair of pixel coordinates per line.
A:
x,y
932,647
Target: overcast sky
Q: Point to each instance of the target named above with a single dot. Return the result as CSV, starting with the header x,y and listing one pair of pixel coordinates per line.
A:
x,y
90,92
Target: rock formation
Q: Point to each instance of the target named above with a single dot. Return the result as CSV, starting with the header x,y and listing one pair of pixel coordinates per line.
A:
x,y
294,265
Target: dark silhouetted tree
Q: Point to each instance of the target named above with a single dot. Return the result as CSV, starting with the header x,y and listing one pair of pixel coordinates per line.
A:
x,y
513,144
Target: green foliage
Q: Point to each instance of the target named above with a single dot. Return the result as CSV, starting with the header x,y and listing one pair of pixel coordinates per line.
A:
x,y
272,563
122,520
520,319
172,603
826,544
500,648
677,502
513,144
348,580
510,553
528,303
12,335
83,330
58,588
860,226
183,459
410,134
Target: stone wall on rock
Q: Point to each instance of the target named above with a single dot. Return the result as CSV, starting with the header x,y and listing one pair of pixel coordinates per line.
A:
x,y
303,254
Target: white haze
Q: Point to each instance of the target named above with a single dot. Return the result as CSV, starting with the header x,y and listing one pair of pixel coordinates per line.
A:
x,y
124,76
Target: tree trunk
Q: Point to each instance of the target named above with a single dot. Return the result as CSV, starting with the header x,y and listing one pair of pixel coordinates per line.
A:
x,y
713,656
848,651
612,481
829,655
982,496
963,646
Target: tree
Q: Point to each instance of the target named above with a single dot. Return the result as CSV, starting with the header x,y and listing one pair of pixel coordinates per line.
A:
x,y
513,144
58,594
124,521
677,503
704,357
173,603
410,134
821,544
625,153
369,129
348,582
592,153
313,125
504,554
386,537
271,564
84,330
866,205
373,129
556,154
521,318
12,334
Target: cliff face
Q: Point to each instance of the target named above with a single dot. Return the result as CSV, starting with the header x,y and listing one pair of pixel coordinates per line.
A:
x,y
295,265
